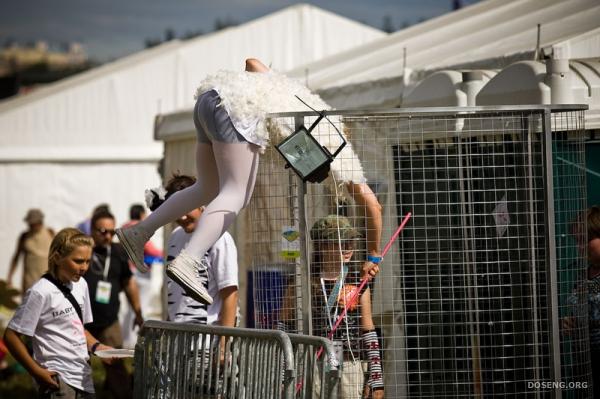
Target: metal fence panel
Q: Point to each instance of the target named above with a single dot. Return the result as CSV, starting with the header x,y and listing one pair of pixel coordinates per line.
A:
x,y
317,367
180,360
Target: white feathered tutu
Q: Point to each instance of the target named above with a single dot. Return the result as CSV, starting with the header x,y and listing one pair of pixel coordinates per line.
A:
x,y
249,96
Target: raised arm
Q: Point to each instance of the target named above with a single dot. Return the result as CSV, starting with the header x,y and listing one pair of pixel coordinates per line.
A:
x,y
367,201
254,65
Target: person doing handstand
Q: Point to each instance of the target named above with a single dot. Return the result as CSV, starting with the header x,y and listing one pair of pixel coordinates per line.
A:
x,y
230,120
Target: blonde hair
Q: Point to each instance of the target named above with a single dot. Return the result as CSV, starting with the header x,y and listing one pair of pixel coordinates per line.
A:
x,y
64,243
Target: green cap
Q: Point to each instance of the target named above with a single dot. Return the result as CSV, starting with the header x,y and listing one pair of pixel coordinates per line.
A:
x,y
326,229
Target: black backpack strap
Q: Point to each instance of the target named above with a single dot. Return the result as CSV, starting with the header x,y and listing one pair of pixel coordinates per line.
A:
x,y
67,293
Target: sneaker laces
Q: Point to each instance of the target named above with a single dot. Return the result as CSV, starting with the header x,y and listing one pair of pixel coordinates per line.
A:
x,y
199,266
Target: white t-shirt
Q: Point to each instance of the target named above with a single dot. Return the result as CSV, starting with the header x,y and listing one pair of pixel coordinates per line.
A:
x,y
58,337
222,273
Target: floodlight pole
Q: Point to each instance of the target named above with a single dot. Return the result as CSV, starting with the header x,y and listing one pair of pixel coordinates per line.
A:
x,y
304,262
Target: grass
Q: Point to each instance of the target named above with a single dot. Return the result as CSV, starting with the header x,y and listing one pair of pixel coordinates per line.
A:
x,y
15,382
16,385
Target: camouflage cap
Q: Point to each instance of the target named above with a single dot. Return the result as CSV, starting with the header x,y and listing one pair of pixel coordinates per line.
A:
x,y
326,229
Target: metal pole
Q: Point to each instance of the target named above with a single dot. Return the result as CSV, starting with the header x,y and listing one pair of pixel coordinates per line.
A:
x,y
467,224
532,236
304,262
537,54
554,331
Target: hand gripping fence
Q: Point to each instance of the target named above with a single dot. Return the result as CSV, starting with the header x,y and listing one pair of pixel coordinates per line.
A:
x,y
183,360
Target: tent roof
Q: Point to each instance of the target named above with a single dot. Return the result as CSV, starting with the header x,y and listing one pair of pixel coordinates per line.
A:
x,y
114,105
485,30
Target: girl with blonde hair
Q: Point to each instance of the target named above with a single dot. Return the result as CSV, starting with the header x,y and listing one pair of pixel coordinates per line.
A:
x,y
53,314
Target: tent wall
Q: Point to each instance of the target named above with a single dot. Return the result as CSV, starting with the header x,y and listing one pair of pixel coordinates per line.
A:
x,y
66,193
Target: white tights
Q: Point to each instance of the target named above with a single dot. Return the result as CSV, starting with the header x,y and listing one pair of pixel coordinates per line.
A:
x,y
225,180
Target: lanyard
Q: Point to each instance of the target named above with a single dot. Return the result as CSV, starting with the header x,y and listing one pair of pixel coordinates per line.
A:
x,y
106,262
332,299
328,308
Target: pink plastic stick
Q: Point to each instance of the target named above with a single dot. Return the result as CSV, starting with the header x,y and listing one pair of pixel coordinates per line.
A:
x,y
396,234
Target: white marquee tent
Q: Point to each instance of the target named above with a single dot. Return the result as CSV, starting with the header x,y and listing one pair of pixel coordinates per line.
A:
x,y
89,139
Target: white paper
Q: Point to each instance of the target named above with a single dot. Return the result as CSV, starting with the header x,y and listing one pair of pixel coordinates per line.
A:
x,y
501,217
112,353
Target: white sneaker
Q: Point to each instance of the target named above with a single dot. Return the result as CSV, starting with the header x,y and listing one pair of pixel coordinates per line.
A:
x,y
190,274
133,239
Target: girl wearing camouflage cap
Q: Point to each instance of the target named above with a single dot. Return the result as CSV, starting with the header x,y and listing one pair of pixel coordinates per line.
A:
x,y
334,277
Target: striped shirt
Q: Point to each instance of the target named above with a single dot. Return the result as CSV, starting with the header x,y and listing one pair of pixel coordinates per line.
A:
x,y
222,273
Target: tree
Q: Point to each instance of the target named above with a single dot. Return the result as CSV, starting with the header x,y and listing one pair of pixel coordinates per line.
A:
x,y
190,34
152,42
9,42
169,34
388,25
225,23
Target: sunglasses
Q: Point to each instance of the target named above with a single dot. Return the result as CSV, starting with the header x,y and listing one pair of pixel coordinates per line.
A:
x,y
106,231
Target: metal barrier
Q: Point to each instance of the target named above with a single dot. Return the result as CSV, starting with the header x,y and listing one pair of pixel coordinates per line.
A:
x,y
311,369
183,360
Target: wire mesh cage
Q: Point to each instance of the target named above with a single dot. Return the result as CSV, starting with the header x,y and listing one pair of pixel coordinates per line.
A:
x,y
484,292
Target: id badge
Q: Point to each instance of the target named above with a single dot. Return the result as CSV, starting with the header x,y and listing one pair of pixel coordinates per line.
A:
x,y
103,292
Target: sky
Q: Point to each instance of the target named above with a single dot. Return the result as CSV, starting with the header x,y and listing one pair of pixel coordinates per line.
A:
x,y
109,29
